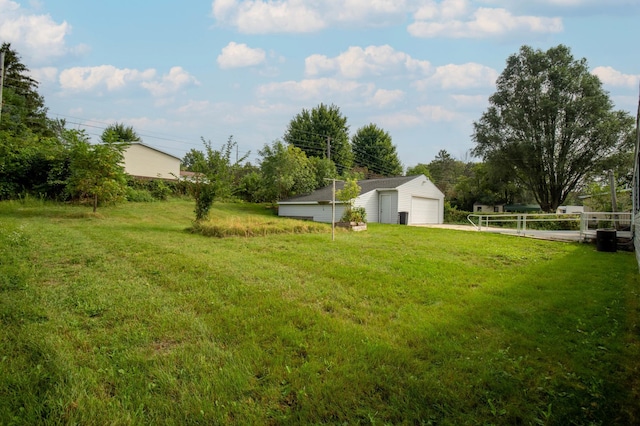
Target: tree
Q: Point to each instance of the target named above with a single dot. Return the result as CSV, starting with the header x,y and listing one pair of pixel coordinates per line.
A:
x,y
23,107
323,169
96,171
286,171
419,169
216,176
118,132
550,124
372,148
192,158
347,196
29,150
322,132
445,172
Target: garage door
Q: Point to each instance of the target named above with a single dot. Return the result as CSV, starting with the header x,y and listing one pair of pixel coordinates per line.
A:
x,y
423,210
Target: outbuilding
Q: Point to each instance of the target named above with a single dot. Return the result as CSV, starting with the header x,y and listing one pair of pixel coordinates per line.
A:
x,y
406,200
147,162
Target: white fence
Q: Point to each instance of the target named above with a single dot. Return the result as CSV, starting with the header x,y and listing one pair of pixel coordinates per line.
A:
x,y
586,224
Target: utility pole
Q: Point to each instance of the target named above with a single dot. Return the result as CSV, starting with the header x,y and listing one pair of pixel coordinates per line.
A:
x,y
333,208
1,79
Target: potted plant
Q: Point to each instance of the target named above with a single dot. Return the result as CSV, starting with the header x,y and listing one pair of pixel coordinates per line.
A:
x,y
354,218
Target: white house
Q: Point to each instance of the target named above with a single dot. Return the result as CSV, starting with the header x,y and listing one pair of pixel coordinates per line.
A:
x,y
409,200
144,161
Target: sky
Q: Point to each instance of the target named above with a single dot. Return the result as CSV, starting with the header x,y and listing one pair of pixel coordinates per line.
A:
x,y
422,70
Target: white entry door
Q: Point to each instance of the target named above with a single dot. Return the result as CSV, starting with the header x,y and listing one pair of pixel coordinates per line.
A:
x,y
386,215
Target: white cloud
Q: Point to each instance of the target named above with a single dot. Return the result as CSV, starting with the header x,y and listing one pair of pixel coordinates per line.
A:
x,y
305,16
236,55
460,77
170,83
444,10
36,37
449,19
260,17
111,78
104,76
610,76
373,12
446,18
357,62
315,89
383,98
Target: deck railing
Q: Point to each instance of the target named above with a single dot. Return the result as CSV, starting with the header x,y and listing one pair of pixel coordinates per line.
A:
x,y
586,223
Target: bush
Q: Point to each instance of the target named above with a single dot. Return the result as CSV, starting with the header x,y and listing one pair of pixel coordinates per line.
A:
x,y
355,214
453,215
159,189
139,195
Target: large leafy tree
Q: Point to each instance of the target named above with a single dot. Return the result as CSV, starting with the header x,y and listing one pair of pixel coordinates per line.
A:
x,y
550,123
192,158
96,171
286,171
322,132
121,133
445,172
373,148
23,107
419,169
29,150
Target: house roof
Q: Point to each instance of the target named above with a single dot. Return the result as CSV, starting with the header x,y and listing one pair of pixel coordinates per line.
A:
x,y
155,149
326,194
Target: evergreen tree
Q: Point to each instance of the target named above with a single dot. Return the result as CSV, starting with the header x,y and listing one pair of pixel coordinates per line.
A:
x,y
372,148
322,132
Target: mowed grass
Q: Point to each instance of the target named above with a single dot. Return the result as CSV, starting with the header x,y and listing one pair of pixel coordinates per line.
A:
x,y
125,317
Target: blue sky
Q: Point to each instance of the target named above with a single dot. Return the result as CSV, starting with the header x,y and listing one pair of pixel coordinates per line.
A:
x,y
421,69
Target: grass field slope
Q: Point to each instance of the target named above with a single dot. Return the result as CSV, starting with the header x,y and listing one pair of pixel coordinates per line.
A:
x,y
129,317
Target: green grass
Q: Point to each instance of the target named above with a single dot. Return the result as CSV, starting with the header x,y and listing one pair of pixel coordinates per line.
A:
x,y
125,317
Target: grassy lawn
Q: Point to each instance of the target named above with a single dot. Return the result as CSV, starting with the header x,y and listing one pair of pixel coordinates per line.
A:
x,y
125,317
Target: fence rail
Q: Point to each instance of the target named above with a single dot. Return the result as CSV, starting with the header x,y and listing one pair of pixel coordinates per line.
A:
x,y
522,223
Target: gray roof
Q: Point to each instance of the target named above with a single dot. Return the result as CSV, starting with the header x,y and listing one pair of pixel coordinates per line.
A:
x,y
326,194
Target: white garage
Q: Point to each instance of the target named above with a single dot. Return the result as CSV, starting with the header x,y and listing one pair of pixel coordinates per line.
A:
x,y
408,200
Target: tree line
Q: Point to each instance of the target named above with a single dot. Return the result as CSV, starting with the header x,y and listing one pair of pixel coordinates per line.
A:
x,y
550,132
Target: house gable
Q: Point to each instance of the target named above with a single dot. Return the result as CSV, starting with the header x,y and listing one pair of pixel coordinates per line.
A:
x,y
144,161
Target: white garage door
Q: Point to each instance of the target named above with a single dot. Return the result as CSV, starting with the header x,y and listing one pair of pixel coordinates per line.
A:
x,y
423,210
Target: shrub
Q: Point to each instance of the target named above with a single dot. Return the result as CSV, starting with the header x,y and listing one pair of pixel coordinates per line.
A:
x,y
453,215
159,189
355,214
139,195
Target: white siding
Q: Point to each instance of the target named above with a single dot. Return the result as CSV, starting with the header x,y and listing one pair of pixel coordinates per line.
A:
x,y
370,203
143,161
319,212
420,187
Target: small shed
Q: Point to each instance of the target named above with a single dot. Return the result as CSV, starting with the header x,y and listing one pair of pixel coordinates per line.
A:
x,y
410,200
488,208
147,162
